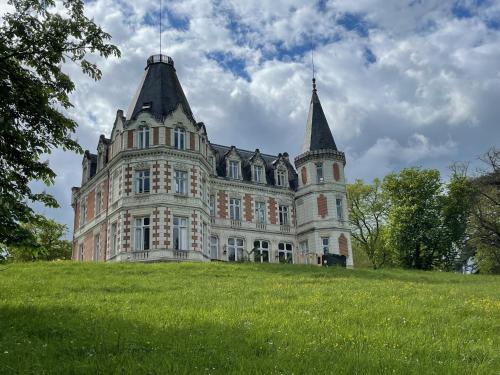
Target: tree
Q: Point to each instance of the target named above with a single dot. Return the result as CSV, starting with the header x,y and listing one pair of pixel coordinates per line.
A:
x,y
484,225
368,206
35,40
415,222
48,245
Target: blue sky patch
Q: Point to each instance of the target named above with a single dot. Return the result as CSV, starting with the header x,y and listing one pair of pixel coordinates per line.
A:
x,y
353,22
231,63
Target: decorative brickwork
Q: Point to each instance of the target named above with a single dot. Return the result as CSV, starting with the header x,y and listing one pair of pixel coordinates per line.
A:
x,y
194,182
128,180
126,231
336,172
191,141
222,204
156,227
168,177
130,139
322,206
166,227
248,207
156,136
303,173
90,206
168,140
271,205
343,247
156,177
194,236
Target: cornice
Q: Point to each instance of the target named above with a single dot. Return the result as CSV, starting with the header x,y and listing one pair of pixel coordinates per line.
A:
x,y
319,154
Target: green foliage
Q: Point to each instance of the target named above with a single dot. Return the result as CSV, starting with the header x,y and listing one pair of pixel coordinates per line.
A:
x,y
35,40
48,242
186,318
368,206
484,224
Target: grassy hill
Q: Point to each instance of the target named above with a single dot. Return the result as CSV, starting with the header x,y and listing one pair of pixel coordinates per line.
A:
x,y
84,318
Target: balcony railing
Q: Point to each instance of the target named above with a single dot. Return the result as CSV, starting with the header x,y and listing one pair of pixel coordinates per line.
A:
x,y
181,254
285,228
235,223
261,226
140,255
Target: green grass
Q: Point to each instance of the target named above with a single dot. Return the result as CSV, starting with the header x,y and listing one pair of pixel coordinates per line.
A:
x,y
84,318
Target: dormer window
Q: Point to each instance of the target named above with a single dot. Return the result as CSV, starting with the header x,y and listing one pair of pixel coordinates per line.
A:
x,y
258,171
179,138
234,169
281,178
319,173
143,134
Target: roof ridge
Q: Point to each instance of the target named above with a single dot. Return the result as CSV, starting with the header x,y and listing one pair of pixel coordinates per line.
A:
x,y
241,149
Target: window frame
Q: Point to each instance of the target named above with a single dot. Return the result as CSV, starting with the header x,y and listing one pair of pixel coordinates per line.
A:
x,y
320,177
211,204
258,206
235,207
286,252
142,233
340,208
237,248
179,138
113,238
211,247
283,215
281,177
142,179
182,228
259,177
234,169
143,135
261,251
96,255
180,182
325,247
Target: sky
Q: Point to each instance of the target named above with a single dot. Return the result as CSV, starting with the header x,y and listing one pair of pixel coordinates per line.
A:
x,y
402,83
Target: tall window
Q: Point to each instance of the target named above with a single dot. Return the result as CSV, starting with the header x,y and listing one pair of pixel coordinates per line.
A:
x,y
260,212
97,247
211,204
180,182
319,173
258,173
234,249
340,209
234,169
141,233
261,251
180,234
235,209
325,242
142,181
285,252
214,247
204,238
143,134
179,138
83,211
283,213
80,251
113,239
98,198
281,177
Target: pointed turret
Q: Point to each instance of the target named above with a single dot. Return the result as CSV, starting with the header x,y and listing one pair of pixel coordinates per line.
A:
x,y
160,91
318,134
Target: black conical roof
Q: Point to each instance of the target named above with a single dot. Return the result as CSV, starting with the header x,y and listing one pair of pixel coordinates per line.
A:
x,y
318,134
160,91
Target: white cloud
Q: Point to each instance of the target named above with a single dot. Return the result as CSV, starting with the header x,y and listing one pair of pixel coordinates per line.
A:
x,y
429,98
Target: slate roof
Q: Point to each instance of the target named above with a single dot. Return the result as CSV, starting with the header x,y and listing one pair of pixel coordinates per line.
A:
x,y
160,89
318,134
246,156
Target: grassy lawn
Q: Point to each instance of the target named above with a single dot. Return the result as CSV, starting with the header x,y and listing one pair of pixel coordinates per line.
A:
x,y
83,318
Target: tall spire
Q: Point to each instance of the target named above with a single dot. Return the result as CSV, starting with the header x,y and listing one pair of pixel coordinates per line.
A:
x,y
318,134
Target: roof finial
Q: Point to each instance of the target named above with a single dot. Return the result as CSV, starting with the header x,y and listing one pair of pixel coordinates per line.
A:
x,y
160,23
312,63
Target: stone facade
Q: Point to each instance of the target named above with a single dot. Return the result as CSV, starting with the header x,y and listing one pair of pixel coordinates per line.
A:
x,y
159,190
